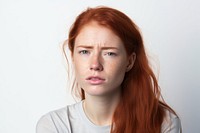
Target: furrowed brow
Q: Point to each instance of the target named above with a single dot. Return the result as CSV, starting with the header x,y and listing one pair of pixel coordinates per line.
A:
x,y
91,47
106,48
85,46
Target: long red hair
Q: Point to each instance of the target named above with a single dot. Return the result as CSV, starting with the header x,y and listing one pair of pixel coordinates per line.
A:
x,y
140,109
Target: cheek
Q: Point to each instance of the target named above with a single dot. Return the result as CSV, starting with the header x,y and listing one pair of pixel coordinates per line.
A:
x,y
80,68
77,67
117,70
119,66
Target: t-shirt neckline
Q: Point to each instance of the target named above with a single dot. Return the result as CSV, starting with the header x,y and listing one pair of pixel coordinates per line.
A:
x,y
86,120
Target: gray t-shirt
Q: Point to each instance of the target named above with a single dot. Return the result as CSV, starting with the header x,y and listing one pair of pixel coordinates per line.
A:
x,y
72,119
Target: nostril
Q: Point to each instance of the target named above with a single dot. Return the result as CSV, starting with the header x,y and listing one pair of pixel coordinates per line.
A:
x,y
96,63
97,67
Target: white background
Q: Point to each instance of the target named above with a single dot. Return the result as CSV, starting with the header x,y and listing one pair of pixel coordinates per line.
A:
x,y
33,75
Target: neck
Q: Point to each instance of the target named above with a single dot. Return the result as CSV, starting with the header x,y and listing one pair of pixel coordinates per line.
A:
x,y
100,110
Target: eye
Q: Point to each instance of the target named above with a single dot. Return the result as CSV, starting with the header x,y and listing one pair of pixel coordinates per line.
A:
x,y
83,52
111,54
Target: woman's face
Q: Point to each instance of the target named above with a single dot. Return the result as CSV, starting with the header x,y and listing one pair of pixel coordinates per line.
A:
x,y
100,60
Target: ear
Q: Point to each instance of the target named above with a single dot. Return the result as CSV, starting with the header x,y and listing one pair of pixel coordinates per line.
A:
x,y
131,61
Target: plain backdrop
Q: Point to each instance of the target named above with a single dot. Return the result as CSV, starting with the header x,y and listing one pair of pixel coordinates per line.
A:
x,y
33,74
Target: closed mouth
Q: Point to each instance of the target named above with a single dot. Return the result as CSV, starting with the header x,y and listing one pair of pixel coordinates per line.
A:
x,y
95,80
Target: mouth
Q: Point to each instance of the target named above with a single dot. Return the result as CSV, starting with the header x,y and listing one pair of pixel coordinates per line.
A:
x,y
95,80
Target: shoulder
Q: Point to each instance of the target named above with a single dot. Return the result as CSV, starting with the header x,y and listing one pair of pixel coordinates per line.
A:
x,y
57,121
171,123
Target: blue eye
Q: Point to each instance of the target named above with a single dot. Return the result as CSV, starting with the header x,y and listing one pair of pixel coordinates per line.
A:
x,y
83,52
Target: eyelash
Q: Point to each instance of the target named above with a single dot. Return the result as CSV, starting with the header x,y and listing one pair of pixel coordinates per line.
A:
x,y
111,54
84,52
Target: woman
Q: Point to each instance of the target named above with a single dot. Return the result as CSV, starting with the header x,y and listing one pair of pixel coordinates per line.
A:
x,y
118,90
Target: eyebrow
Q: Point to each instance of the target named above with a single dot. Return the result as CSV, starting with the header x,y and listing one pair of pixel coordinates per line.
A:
x,y
91,47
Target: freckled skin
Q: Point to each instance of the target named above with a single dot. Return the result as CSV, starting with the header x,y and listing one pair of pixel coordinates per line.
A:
x,y
99,52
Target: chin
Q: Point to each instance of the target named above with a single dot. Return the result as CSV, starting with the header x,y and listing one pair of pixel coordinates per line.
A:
x,y
95,91
99,91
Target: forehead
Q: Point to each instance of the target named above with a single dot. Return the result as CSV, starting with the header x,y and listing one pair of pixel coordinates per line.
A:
x,y
93,33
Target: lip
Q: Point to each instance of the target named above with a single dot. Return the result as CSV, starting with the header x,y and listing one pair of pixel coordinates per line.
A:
x,y
95,80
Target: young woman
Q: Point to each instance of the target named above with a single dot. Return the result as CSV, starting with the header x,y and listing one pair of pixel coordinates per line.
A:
x,y
118,89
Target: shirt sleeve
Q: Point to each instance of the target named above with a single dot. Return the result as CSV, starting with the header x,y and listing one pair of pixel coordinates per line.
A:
x,y
171,124
46,125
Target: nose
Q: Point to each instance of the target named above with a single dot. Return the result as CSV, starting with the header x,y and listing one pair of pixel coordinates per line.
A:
x,y
96,64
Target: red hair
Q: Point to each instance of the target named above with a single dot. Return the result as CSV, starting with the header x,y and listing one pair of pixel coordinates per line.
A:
x,y
140,109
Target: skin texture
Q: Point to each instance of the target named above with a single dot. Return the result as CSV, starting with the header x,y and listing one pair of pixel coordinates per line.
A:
x,y
99,53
